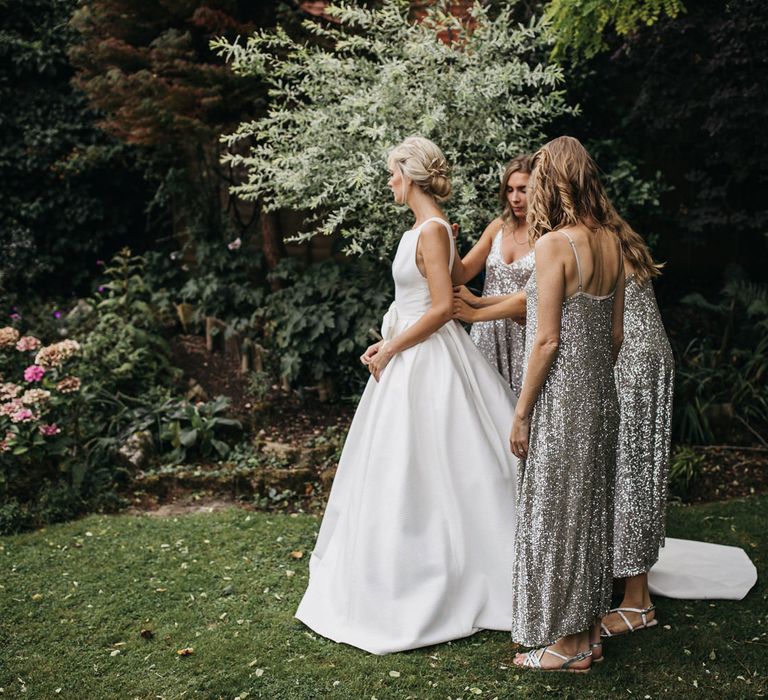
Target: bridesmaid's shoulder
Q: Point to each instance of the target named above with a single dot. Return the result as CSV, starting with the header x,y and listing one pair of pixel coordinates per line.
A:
x,y
492,228
549,243
495,224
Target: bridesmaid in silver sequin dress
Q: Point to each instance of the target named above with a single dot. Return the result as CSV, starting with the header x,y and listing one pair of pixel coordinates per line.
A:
x,y
506,252
644,381
566,421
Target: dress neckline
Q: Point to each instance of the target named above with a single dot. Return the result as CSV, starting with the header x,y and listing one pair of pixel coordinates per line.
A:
x,y
500,234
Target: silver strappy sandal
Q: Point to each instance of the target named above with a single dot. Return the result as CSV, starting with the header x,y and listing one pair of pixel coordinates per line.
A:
x,y
533,661
645,624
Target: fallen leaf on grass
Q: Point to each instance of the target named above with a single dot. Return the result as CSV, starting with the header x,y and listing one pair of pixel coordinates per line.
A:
x,y
297,554
37,596
394,674
187,651
114,652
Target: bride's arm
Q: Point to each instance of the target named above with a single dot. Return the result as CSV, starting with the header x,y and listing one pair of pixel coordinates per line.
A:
x,y
435,252
550,285
464,269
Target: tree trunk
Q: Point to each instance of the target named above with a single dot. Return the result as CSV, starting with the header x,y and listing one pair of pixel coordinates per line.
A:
x,y
272,242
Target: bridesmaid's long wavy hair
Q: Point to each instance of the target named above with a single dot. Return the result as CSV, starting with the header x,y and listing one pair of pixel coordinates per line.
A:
x,y
565,190
519,164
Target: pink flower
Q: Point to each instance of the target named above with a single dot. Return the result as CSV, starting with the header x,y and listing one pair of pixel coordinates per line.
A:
x,y
235,245
50,429
25,415
5,443
28,343
8,409
33,373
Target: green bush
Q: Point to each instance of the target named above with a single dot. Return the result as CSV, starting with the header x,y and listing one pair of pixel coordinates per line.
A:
x,y
374,78
123,349
196,430
721,390
318,325
684,471
71,193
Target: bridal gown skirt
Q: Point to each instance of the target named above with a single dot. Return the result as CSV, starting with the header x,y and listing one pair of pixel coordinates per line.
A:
x,y
701,571
416,544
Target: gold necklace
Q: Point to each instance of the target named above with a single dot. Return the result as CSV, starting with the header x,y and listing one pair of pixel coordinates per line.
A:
x,y
514,238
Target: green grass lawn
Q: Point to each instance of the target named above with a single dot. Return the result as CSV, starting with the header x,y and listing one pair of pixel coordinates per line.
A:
x,y
75,598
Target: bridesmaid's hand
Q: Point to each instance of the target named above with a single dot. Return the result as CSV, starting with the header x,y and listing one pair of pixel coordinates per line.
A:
x,y
466,296
380,360
518,438
367,356
463,311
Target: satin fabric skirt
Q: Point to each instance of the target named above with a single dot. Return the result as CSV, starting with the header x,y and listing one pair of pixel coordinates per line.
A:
x,y
415,547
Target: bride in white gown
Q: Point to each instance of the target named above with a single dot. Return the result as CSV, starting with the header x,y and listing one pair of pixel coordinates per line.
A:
x,y
416,544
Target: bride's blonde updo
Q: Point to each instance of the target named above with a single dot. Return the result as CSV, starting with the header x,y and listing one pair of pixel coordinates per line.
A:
x,y
424,164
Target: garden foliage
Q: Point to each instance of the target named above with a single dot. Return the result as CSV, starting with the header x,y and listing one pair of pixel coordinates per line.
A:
x,y
318,324
721,392
69,192
339,104
580,27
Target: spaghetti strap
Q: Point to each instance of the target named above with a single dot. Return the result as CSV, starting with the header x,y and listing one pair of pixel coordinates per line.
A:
x,y
450,236
576,255
620,276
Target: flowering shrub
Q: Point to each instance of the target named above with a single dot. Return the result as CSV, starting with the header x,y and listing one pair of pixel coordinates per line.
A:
x,y
371,79
38,406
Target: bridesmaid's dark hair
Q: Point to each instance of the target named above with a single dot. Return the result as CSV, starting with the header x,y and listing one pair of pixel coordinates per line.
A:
x,y
565,190
519,164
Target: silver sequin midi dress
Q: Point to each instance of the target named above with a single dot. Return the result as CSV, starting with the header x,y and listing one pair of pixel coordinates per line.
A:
x,y
644,381
502,342
562,571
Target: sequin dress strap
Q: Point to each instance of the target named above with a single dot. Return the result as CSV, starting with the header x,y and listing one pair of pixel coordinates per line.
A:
x,y
576,255
450,235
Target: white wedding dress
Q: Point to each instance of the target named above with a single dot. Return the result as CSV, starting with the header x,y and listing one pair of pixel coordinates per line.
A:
x,y
416,544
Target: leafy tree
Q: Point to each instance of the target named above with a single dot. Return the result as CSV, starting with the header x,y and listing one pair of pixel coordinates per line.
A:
x,y
580,27
339,104
149,69
683,97
69,191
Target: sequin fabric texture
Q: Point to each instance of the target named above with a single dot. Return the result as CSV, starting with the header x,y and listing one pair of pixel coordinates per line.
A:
x,y
562,573
644,381
502,342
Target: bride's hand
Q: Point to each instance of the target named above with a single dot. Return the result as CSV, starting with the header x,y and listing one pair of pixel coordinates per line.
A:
x,y
465,295
463,311
518,438
380,360
368,355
